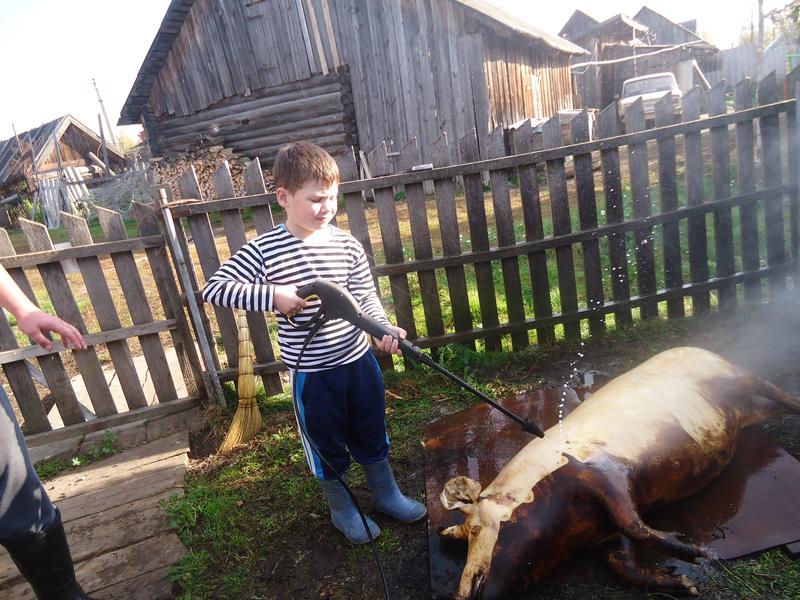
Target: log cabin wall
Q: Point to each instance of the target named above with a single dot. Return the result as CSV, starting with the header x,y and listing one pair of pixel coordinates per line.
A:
x,y
416,68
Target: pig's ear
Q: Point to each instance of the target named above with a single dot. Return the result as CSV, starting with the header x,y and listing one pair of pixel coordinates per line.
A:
x,y
460,492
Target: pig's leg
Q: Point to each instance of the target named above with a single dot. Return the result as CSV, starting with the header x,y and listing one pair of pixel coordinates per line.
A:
x,y
613,490
622,561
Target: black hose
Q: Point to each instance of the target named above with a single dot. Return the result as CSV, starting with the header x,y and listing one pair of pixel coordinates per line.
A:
x,y
312,332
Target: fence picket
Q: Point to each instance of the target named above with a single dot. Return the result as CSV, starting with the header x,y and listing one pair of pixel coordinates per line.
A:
x,y
746,180
19,379
107,318
170,301
234,232
771,159
392,243
504,224
723,224
451,238
206,248
479,238
65,306
698,244
254,184
534,230
587,213
132,288
640,194
668,191
559,207
421,241
608,126
794,176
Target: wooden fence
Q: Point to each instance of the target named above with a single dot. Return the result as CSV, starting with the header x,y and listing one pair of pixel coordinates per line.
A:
x,y
45,266
682,246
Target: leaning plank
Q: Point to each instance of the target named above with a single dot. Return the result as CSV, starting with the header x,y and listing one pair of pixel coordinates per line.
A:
x,y
668,188
479,238
534,230
771,159
587,214
698,251
164,276
392,243
234,232
421,240
723,225
504,222
451,237
206,249
640,192
608,125
95,281
64,303
559,207
138,305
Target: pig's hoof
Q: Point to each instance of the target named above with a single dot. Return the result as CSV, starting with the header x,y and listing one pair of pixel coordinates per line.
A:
x,y
689,586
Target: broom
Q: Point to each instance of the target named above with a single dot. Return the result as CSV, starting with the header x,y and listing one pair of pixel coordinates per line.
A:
x,y
247,420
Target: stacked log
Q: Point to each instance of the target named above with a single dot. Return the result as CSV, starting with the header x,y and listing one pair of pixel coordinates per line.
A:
x,y
206,162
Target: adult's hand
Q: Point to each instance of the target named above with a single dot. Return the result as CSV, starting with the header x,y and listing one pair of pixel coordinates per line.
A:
x,y
37,324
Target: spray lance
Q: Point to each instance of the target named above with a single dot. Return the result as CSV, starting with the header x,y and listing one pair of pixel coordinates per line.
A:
x,y
337,303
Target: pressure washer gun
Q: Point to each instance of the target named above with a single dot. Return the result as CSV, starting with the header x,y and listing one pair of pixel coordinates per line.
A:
x,y
336,302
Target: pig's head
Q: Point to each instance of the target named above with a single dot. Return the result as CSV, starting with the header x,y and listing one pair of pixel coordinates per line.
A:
x,y
486,510
480,530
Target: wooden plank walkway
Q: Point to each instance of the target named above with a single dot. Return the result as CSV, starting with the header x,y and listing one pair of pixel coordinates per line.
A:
x,y
120,538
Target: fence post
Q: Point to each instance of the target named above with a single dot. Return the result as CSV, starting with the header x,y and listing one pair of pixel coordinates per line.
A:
x,y
559,207
587,213
746,180
608,125
668,192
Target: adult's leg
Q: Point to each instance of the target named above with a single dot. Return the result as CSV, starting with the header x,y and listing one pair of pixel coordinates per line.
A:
x,y
30,526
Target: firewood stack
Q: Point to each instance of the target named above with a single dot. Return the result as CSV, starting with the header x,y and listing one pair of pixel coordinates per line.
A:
x,y
206,161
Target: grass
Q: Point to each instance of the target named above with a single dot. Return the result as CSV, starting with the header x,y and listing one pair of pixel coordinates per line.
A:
x,y
50,468
59,234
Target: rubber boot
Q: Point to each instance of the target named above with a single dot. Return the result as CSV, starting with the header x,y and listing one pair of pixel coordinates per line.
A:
x,y
44,560
345,515
388,498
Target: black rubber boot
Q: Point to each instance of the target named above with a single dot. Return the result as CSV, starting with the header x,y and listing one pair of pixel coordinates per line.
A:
x,y
44,560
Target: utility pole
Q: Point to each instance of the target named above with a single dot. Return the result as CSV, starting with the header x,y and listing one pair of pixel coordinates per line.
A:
x,y
760,43
105,116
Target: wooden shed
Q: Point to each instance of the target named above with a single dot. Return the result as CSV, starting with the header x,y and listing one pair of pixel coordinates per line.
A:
x,y
253,75
622,47
64,139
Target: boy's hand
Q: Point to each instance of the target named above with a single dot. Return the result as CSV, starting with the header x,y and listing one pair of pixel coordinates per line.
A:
x,y
390,345
37,324
286,301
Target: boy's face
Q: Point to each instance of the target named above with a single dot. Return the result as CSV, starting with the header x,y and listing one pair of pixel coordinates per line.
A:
x,y
310,208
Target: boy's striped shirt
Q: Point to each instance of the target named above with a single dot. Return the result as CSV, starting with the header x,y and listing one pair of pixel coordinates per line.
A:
x,y
277,257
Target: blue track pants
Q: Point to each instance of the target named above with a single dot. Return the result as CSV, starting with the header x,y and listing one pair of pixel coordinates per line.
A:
x,y
343,410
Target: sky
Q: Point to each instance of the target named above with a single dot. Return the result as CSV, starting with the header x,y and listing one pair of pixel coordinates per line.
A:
x,y
51,49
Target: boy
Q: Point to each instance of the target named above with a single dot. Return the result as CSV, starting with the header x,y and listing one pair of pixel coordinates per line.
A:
x,y
339,386
30,526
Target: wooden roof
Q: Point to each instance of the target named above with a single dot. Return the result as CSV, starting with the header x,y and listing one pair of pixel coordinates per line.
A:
x,y
41,139
179,9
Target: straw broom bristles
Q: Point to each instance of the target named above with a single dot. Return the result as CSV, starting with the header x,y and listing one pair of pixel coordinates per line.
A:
x,y
247,420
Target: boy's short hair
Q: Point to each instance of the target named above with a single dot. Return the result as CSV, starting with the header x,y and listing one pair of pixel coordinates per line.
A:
x,y
300,162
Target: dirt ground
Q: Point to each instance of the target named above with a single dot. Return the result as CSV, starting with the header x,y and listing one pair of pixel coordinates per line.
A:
x,y
315,563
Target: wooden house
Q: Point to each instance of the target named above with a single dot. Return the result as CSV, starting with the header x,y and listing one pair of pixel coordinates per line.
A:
x,y
252,76
622,47
40,152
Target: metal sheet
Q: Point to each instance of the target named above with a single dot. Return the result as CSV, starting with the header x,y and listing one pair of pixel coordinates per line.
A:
x,y
750,507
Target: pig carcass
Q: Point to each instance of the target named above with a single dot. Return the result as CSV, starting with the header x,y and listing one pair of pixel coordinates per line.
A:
x,y
652,436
